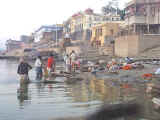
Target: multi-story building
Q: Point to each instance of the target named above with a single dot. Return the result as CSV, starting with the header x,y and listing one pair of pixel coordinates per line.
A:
x,y
141,30
67,26
48,33
13,45
105,33
143,16
26,39
81,23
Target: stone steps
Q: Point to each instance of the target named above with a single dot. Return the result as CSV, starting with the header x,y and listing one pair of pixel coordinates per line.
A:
x,y
151,53
91,54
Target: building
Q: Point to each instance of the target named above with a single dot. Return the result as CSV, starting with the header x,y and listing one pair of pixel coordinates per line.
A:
x,y
13,45
67,26
143,16
103,37
80,24
105,33
26,39
141,30
49,33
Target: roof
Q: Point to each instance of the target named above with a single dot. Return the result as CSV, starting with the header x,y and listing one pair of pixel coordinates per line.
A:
x,y
51,27
13,42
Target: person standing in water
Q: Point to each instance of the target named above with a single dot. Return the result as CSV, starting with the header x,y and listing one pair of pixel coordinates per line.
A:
x,y
38,66
23,69
51,64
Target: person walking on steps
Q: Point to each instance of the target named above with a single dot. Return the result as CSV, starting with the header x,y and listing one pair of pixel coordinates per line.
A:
x,y
23,69
38,66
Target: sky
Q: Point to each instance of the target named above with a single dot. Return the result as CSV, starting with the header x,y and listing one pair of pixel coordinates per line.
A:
x,y
22,17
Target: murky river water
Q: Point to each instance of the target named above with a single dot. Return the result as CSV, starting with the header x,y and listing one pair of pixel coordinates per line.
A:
x,y
39,101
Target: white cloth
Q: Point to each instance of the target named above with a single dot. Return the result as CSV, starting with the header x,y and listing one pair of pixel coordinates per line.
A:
x,y
65,57
38,63
157,71
67,36
90,63
67,60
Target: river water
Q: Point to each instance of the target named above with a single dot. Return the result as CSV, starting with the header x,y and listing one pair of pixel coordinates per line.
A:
x,y
38,101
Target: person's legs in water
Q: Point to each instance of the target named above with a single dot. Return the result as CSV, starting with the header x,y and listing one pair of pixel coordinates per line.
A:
x,y
49,73
39,73
24,78
27,78
68,68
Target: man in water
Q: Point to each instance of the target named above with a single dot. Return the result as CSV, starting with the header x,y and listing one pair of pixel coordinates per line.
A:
x,y
38,66
23,69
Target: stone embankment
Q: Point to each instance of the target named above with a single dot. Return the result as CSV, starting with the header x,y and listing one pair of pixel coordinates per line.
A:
x,y
152,53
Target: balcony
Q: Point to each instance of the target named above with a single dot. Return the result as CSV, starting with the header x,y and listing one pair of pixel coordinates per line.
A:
x,y
135,20
141,2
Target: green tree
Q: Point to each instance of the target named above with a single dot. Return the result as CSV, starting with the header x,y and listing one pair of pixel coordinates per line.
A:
x,y
113,8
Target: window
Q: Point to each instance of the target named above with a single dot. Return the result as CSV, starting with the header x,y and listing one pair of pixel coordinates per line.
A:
x,y
100,31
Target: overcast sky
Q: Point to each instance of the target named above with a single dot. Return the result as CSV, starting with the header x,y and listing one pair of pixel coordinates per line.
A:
x,y
19,17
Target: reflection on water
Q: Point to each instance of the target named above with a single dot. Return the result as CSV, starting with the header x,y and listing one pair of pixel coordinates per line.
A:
x,y
38,101
22,94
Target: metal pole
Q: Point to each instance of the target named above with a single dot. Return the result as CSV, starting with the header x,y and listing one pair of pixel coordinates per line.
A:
x,y
56,35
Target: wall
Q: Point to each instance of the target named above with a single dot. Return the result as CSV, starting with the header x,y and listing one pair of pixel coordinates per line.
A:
x,y
127,46
107,35
132,45
109,30
121,46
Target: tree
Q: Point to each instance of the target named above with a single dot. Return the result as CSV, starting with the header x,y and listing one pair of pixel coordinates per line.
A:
x,y
113,8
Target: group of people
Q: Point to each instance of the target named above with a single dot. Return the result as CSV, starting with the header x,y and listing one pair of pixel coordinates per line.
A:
x,y
71,61
45,69
40,68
